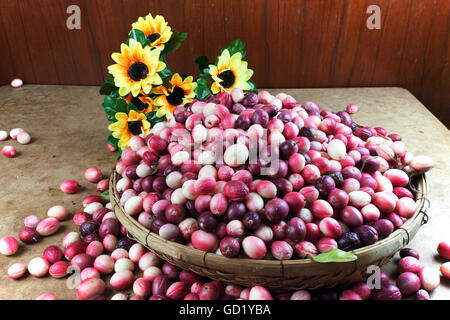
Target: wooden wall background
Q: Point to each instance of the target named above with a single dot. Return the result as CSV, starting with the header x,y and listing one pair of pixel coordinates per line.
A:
x,y
290,43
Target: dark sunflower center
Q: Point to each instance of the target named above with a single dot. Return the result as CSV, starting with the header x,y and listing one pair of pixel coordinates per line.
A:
x,y
175,98
138,71
135,127
138,103
153,37
227,78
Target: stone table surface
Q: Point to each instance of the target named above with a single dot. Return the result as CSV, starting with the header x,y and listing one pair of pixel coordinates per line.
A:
x,y
69,130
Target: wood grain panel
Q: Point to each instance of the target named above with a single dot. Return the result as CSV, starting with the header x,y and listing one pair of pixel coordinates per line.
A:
x,y
290,43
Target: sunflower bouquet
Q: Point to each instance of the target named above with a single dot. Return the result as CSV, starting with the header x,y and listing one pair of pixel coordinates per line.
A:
x,y
141,90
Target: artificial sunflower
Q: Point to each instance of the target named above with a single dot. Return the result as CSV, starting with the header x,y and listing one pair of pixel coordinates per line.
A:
x,y
155,29
230,72
182,92
127,126
137,68
142,102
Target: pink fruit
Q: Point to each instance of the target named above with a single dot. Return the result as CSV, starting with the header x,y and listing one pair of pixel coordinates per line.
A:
x,y
52,254
121,280
351,216
362,289
58,212
409,264
38,267
205,185
305,249
398,177
310,173
8,246
326,244
384,201
443,249
90,288
59,269
352,108
46,296
370,212
254,247
93,175
406,207
70,186
259,293
349,295
205,241
16,270
142,287
430,278
330,227
445,270
321,209
9,151
209,291
28,235
421,163
281,250
359,198
47,226
235,190
177,290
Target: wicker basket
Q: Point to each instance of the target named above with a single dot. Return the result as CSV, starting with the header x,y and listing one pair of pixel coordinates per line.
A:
x,y
273,274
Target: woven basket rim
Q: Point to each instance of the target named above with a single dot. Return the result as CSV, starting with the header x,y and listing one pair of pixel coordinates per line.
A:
x,y
402,235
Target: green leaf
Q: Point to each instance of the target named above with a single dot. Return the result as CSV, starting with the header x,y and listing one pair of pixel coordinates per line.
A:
x,y
204,83
335,255
236,46
153,118
166,73
113,141
139,36
109,111
130,107
121,106
111,118
105,196
108,87
201,92
150,115
252,87
174,42
203,63
109,102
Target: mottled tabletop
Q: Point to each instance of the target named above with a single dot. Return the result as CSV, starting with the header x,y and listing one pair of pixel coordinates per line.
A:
x,y
69,130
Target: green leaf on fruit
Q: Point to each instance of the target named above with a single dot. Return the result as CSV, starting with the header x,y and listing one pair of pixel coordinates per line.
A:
x,y
105,196
335,255
174,42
